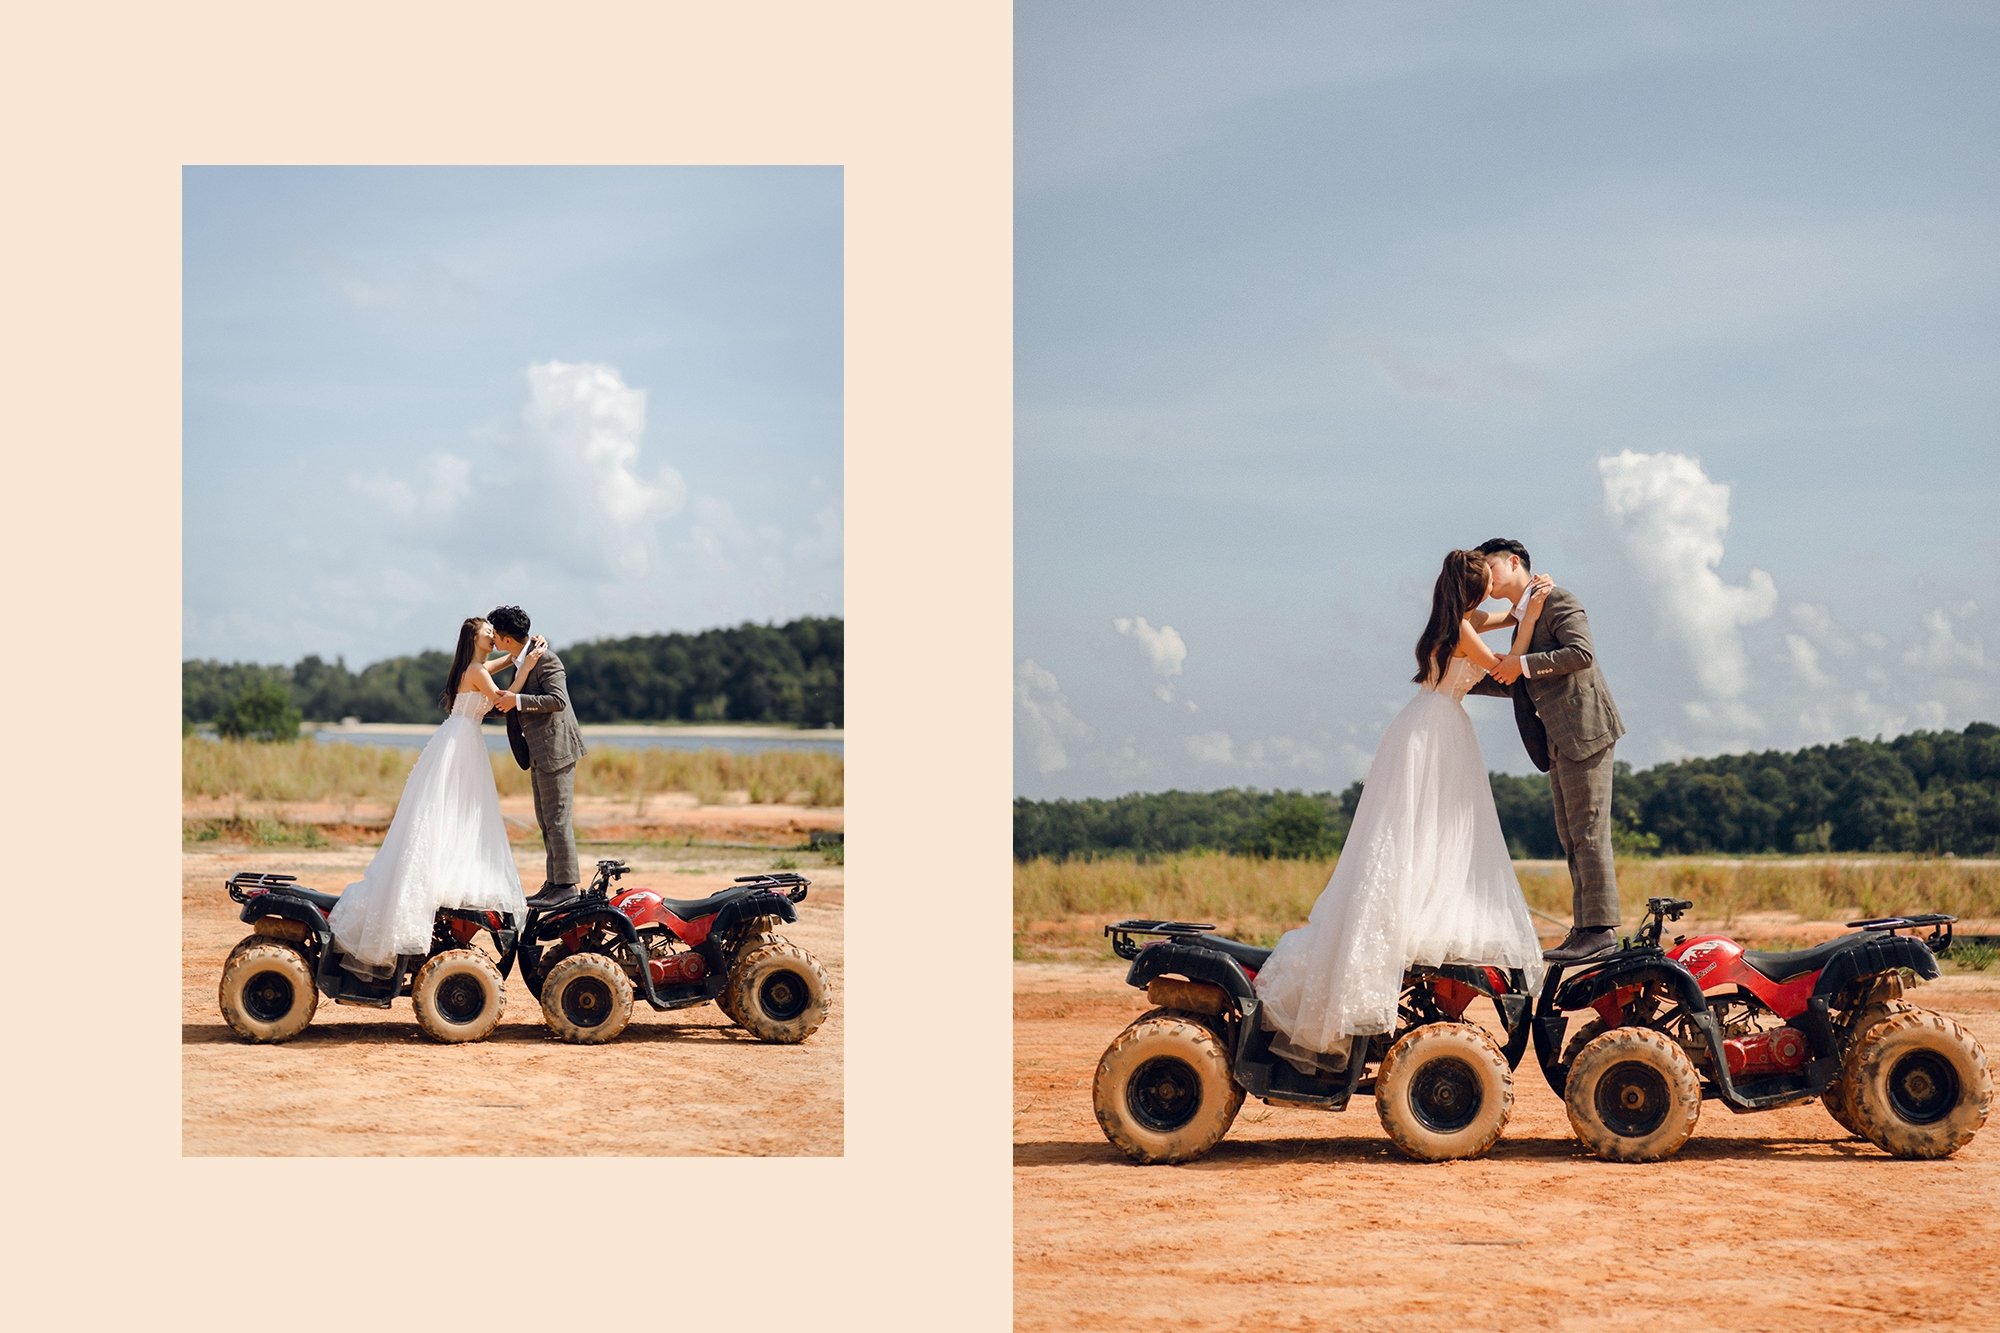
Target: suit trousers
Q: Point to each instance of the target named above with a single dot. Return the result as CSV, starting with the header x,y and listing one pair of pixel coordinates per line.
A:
x,y
554,792
1581,790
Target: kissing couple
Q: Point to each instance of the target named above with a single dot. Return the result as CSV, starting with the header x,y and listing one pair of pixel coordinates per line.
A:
x,y
447,845
1425,876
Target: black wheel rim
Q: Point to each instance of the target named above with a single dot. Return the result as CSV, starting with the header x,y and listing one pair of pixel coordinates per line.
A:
x,y
1632,1099
1923,1087
269,996
1445,1095
586,1002
783,996
461,998
1164,1094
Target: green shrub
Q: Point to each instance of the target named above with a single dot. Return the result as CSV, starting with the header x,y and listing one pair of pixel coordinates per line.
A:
x,y
262,710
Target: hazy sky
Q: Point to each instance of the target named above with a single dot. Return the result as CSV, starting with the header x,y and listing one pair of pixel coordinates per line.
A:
x,y
611,395
1697,301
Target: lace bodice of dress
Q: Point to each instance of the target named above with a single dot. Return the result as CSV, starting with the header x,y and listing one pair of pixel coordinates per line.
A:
x,y
471,704
1460,676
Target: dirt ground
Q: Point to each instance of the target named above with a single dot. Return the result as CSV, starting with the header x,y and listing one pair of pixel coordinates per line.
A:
x,y
364,1081
1306,1220
658,817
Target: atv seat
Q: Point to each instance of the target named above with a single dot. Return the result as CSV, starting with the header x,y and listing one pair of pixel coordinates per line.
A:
x,y
323,901
1249,955
693,909
1785,966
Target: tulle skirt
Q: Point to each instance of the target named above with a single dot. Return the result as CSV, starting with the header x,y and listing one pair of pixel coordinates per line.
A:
x,y
1425,877
446,847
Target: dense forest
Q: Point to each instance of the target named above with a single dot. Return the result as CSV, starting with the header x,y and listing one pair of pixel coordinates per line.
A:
x,y
1929,791
752,673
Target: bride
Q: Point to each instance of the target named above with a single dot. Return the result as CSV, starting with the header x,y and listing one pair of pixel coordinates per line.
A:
x,y
1425,876
446,846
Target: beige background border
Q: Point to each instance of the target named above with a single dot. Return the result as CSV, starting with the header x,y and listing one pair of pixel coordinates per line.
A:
x,y
911,1228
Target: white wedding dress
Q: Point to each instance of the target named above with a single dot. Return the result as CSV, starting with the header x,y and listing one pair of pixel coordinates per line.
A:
x,y
1424,878
446,847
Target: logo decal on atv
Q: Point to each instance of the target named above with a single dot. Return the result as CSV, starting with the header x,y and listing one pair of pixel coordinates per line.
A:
x,y
1697,954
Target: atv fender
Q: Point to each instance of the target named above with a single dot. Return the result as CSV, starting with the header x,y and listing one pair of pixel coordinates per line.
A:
x,y
1196,964
1510,1006
1880,954
291,909
506,939
1551,1021
756,905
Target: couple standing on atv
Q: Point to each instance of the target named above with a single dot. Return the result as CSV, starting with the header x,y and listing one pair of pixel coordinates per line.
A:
x,y
447,846
1427,879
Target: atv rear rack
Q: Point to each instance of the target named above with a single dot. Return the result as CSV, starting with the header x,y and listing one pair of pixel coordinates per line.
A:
x,y
1937,941
783,882
1122,933
246,882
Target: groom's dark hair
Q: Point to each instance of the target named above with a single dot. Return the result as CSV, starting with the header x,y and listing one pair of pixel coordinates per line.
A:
x,y
1498,546
511,621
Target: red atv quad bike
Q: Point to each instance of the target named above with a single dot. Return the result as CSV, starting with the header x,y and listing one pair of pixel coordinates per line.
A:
x,y
1706,1018
586,958
274,978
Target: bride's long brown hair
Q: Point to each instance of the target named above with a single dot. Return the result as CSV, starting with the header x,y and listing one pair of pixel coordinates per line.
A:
x,y
1461,586
468,634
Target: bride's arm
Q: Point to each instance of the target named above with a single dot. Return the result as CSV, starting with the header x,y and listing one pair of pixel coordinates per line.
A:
x,y
1538,594
1473,647
482,680
1482,621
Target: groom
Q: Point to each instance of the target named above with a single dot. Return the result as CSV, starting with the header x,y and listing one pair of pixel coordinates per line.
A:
x,y
1568,724
541,730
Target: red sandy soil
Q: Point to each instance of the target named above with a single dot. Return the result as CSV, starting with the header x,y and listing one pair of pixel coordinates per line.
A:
x,y
363,1081
1302,1219
665,818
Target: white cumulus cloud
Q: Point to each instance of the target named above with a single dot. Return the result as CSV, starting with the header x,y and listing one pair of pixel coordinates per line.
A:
x,y
581,441
1162,648
1044,723
575,482
1671,520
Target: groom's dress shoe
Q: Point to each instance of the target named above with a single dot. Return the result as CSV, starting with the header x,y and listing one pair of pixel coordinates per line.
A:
x,y
552,895
1580,944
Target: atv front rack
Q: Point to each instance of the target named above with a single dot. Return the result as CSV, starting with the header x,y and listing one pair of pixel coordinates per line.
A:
x,y
244,883
1124,934
1937,941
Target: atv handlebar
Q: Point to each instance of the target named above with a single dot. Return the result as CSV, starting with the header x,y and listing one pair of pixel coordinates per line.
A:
x,y
1662,910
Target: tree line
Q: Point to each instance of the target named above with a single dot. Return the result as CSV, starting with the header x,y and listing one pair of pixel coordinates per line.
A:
x,y
1928,791
750,673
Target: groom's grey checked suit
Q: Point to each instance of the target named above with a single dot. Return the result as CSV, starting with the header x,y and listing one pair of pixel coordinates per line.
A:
x,y
1569,724
542,732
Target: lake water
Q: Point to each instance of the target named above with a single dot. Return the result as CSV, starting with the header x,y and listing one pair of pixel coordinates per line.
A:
x,y
496,740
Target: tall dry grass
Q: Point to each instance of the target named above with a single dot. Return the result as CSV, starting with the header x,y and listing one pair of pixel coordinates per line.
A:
x,y
309,771
1060,906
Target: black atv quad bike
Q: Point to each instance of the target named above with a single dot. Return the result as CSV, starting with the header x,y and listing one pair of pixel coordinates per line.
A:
x,y
1171,1083
274,978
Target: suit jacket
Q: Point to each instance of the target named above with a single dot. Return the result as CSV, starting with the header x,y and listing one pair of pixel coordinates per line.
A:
x,y
541,729
1564,699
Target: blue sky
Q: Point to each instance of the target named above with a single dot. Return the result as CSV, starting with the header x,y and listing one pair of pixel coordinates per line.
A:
x,y
610,395
1697,301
